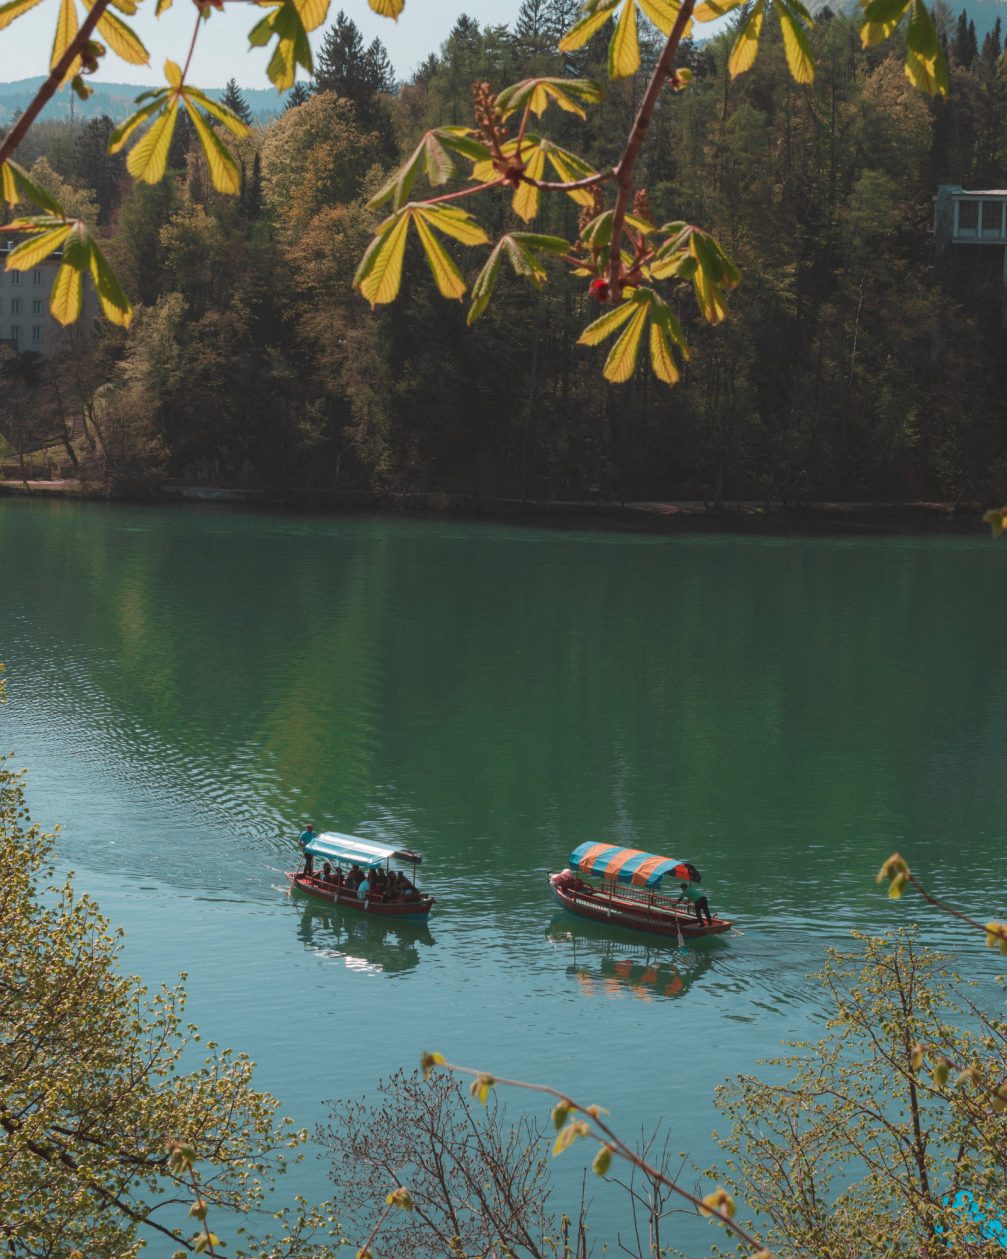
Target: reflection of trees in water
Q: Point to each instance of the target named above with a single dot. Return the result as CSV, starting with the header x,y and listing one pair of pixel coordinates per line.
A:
x,y
359,941
610,965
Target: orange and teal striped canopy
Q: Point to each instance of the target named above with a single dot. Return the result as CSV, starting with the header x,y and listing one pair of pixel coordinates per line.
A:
x,y
630,865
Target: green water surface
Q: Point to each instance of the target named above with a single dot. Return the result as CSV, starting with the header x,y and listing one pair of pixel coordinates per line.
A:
x,y
188,688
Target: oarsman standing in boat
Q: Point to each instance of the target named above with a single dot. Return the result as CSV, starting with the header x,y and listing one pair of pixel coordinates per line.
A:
x,y
307,835
698,900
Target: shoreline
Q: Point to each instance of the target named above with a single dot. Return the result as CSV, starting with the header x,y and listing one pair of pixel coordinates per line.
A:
x,y
649,516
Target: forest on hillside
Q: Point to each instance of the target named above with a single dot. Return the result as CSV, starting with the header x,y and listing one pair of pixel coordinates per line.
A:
x,y
851,366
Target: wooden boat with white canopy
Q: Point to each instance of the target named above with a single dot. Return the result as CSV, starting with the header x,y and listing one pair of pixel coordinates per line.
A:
x,y
628,894
334,856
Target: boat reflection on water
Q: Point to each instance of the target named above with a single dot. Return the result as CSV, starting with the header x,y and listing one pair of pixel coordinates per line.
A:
x,y
605,966
363,944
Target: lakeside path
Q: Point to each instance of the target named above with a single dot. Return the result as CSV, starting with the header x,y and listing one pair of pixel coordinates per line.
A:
x,y
651,516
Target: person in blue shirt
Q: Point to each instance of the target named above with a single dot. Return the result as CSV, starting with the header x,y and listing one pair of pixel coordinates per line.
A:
x,y
363,888
307,835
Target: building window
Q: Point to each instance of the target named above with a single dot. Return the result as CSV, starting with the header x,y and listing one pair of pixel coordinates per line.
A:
x,y
992,218
36,278
15,277
36,306
15,306
36,335
968,217
15,333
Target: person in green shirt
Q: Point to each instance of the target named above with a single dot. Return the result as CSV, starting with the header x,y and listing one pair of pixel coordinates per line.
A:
x,y
697,899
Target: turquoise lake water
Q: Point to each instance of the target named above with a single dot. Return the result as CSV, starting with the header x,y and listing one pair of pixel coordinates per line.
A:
x,y
187,688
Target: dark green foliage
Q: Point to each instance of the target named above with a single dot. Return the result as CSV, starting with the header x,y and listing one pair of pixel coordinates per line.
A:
x,y
848,367
358,74
297,95
235,102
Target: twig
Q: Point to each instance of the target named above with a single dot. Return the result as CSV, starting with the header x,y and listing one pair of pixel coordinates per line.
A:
x,y
994,929
624,167
610,1138
465,192
73,50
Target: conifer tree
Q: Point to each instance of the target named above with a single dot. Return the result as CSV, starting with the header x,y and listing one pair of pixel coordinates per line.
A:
x,y
235,102
358,74
991,45
965,45
533,33
381,70
972,50
297,95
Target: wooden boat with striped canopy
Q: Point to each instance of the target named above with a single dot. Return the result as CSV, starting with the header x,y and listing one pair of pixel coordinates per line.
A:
x,y
628,892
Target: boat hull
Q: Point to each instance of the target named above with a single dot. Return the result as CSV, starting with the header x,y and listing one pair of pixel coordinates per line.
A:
x,y
396,911
608,907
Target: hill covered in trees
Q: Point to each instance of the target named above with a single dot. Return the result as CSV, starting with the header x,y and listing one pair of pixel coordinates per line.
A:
x,y
116,100
847,368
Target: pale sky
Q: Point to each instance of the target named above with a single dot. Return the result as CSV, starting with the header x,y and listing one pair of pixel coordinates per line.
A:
x,y
222,51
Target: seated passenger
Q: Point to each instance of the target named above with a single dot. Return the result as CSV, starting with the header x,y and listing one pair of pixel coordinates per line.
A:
x,y
326,873
363,889
339,879
355,876
407,889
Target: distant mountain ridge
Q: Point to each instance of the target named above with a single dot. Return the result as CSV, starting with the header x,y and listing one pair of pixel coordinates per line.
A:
x,y
983,12
114,99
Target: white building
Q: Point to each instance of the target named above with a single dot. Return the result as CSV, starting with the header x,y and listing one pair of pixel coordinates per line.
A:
x,y
25,322
972,220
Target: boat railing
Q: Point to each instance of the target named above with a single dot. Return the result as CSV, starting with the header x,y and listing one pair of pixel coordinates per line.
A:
x,y
645,898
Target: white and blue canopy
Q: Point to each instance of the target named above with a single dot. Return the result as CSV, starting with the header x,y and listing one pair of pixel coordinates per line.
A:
x,y
350,849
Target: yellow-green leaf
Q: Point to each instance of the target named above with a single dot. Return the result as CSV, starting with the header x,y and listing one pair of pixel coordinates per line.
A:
x,y
123,41
66,30
579,34
453,222
526,196
17,187
881,17
566,1138
312,12
119,135
31,252
624,48
662,360
173,73
570,168
379,275
712,9
218,111
621,362
387,8
796,46
445,272
596,332
11,11
925,64
65,300
148,159
114,302
223,169
663,13
746,46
